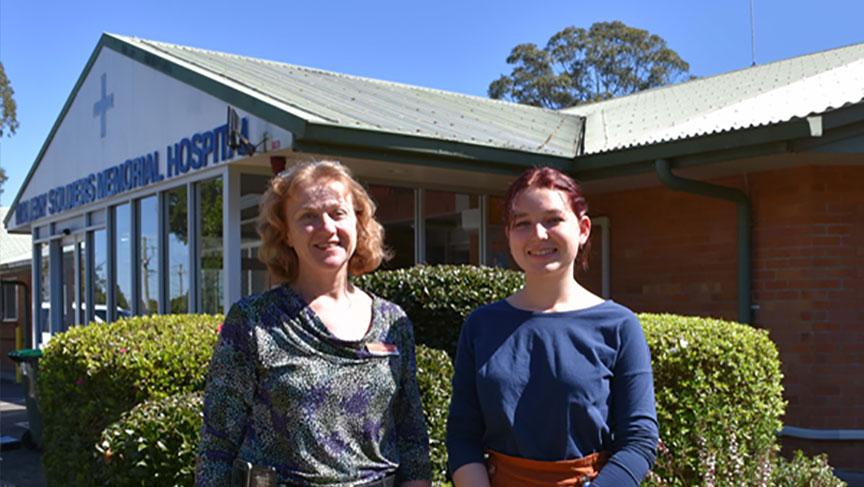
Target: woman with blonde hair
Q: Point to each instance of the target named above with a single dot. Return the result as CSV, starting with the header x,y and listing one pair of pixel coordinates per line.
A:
x,y
313,383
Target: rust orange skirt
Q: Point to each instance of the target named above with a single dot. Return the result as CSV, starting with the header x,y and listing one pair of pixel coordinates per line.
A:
x,y
507,471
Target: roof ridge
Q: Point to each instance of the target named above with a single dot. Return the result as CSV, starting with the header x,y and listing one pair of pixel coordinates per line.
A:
x,y
713,77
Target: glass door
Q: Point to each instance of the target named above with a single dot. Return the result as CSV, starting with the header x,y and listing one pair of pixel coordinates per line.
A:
x,y
74,281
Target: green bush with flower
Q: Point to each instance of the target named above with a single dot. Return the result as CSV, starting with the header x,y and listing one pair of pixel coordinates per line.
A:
x,y
90,375
154,443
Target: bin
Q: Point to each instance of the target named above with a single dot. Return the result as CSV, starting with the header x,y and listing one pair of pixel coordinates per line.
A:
x,y
28,360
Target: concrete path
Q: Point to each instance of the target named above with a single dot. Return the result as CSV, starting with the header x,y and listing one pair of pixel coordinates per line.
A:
x,y
19,466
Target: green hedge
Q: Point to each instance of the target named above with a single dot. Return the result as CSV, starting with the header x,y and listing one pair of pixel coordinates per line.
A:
x,y
158,438
717,385
90,375
434,376
439,298
154,443
719,396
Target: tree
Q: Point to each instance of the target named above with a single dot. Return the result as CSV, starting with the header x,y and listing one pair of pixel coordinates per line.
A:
x,y
8,121
579,66
7,117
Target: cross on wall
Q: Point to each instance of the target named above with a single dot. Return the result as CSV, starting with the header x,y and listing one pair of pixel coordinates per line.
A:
x,y
102,106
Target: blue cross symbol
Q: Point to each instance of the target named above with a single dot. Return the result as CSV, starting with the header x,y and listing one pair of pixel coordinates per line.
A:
x,y
102,106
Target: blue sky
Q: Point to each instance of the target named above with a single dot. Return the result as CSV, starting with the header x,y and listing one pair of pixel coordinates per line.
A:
x,y
451,45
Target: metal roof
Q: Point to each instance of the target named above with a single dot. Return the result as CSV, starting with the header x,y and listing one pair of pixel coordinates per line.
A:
x,y
328,98
756,96
13,248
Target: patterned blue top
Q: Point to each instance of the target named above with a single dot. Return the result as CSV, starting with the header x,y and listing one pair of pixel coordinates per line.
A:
x,y
283,391
555,386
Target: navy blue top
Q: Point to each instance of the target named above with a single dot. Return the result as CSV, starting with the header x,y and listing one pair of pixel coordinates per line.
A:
x,y
555,386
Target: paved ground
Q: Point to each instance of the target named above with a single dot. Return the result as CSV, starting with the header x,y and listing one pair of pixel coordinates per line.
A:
x,y
19,466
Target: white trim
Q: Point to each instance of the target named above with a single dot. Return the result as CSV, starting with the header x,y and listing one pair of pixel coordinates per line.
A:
x,y
232,253
820,434
605,259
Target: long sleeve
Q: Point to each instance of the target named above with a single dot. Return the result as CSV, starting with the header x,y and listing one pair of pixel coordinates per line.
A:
x,y
465,424
228,398
412,437
634,423
554,386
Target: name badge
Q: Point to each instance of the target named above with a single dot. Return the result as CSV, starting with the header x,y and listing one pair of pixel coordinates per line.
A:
x,y
381,349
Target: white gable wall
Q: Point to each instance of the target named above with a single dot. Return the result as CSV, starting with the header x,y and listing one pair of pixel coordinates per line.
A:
x,y
151,112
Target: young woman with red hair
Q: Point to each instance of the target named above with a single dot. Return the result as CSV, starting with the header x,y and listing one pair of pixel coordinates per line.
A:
x,y
553,385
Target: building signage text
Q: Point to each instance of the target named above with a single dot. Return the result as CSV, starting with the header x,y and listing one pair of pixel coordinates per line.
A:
x,y
190,153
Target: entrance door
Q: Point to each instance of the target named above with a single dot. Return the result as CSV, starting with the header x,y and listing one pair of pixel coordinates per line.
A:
x,y
74,281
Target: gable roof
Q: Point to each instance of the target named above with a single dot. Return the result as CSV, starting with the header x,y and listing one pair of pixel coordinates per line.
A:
x,y
329,99
339,114
752,97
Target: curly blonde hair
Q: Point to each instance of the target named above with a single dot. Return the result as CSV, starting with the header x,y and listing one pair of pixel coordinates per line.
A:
x,y
280,259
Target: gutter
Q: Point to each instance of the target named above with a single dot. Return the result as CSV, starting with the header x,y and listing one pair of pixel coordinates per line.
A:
x,y
664,171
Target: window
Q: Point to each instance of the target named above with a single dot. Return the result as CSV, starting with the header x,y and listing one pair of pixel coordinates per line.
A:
x,y
452,228
255,276
44,262
123,245
148,258
210,245
497,248
178,250
9,302
100,275
396,213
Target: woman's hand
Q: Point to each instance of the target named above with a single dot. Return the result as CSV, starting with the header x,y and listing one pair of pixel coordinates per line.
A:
x,y
471,475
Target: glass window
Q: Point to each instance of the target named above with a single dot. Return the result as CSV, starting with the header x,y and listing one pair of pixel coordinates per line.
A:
x,y
123,245
497,249
44,318
97,218
69,302
178,250
396,213
81,262
452,228
210,245
9,302
255,277
100,274
149,226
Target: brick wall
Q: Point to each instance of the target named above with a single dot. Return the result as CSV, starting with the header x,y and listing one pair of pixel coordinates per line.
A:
x,y
809,265
7,328
676,252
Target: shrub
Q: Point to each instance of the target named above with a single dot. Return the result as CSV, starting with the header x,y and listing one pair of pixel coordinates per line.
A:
x,y
717,386
439,298
154,443
803,471
158,438
434,375
90,375
719,398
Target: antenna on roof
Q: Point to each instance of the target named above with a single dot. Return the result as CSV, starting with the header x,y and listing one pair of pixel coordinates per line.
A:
x,y
236,139
752,34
